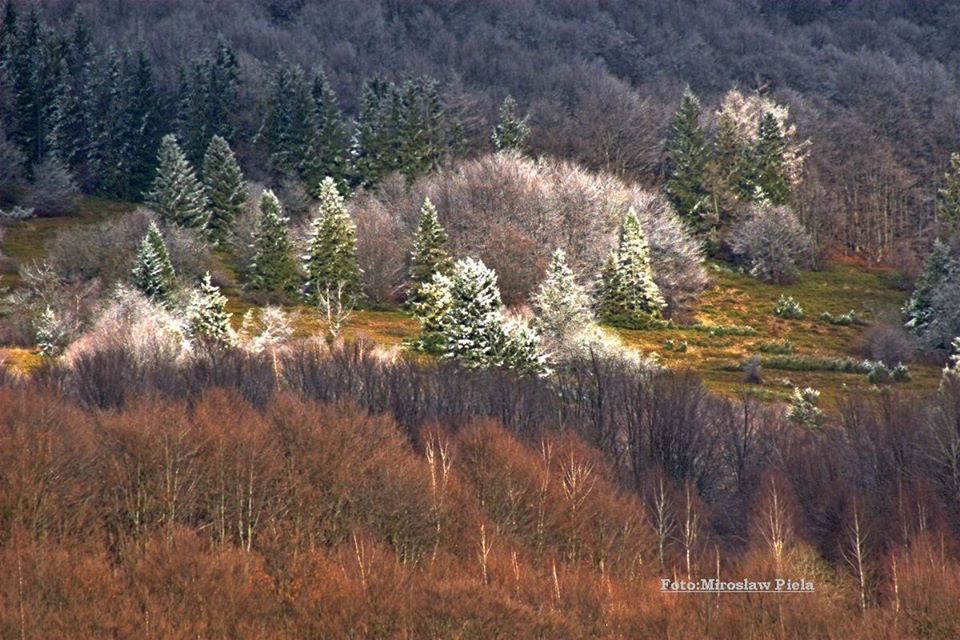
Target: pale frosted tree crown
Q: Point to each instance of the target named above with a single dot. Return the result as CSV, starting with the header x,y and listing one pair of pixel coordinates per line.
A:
x,y
48,334
561,303
176,194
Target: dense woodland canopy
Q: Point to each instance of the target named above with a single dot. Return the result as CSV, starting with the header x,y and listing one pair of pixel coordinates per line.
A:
x,y
874,86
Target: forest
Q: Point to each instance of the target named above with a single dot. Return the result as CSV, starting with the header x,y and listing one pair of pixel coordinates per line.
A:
x,y
479,319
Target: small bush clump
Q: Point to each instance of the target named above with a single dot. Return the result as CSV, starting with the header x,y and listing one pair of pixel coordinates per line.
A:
x,y
788,309
844,319
780,347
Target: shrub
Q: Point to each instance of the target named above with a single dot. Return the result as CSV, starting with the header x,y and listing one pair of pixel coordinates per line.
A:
x,y
901,373
878,373
753,371
771,244
781,347
889,344
53,191
77,253
17,213
804,409
788,309
844,319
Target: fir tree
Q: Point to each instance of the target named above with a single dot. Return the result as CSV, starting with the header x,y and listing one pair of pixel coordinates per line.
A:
x,y
369,148
770,180
687,155
176,195
153,273
272,269
562,305
48,334
208,320
226,189
919,309
207,100
512,131
428,256
948,196
629,294
144,124
431,307
330,263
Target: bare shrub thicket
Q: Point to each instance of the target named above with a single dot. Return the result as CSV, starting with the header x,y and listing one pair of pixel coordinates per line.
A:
x,y
772,244
81,253
513,212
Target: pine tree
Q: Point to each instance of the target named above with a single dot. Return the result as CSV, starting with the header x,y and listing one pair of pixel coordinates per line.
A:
x,y
948,196
428,256
273,269
330,263
153,273
48,334
629,294
512,131
225,187
208,320
176,195
687,155
770,180
919,309
561,303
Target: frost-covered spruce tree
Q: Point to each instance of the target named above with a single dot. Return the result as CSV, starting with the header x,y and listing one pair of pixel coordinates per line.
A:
x,y
208,321
562,305
429,255
48,334
330,263
430,308
474,330
273,269
948,196
919,309
629,295
153,273
512,130
473,323
688,154
176,194
225,187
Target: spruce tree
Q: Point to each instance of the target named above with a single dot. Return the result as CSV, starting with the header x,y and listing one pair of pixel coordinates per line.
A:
x,y
226,189
273,269
512,130
48,334
176,195
473,324
208,321
430,307
330,263
143,117
369,147
948,196
562,305
153,273
428,256
687,155
331,132
770,180
919,309
629,294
